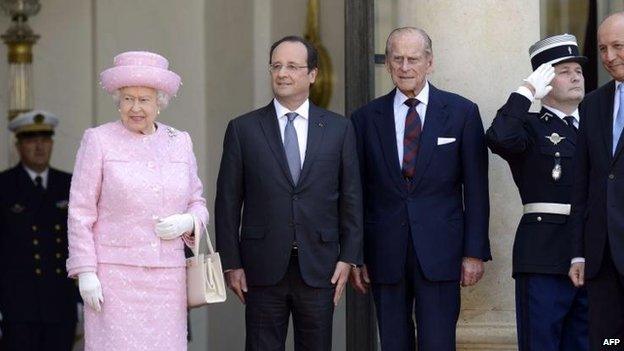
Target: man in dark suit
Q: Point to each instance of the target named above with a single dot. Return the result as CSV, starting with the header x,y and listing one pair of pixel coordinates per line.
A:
x,y
551,313
37,300
423,162
292,168
597,218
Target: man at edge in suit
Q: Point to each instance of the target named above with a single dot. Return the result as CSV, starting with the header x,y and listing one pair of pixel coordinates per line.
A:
x,y
292,169
423,162
37,301
597,217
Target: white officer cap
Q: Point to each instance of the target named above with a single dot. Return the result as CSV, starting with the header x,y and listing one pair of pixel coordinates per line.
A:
x,y
36,122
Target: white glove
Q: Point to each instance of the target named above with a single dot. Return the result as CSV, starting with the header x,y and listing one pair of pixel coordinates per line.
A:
x,y
175,225
90,290
540,80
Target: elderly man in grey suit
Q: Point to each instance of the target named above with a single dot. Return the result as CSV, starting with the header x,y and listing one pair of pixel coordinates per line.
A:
x,y
292,168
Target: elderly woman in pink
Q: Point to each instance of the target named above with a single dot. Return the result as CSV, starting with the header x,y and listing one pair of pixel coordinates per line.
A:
x,y
134,201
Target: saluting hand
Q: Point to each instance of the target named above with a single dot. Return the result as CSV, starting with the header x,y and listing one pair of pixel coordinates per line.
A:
x,y
539,81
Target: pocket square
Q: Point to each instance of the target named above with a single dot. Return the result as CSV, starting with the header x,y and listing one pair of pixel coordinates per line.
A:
x,y
442,141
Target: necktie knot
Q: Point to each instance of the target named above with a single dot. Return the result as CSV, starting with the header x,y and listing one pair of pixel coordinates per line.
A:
x,y
39,182
291,116
569,120
412,102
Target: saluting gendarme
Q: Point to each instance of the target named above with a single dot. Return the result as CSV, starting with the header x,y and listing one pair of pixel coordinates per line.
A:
x,y
551,314
134,200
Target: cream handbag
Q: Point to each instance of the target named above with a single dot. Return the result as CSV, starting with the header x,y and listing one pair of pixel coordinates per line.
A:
x,y
204,276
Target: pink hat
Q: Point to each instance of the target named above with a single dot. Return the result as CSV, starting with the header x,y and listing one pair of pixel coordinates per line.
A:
x,y
140,69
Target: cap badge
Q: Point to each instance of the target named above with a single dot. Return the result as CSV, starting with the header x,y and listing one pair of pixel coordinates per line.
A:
x,y
39,118
570,50
555,138
17,208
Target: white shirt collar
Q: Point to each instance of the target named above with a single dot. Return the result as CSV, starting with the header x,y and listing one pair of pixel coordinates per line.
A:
x,y
617,84
32,174
561,114
302,110
423,96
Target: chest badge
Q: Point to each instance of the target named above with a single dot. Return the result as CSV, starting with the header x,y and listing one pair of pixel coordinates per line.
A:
x,y
17,208
555,138
63,204
556,171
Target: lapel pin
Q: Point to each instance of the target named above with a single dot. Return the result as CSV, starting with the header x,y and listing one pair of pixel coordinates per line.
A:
x,y
63,204
171,132
546,116
320,124
555,138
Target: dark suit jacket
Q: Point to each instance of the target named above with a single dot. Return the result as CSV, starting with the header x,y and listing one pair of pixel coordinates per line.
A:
x,y
598,192
322,213
542,242
447,210
33,248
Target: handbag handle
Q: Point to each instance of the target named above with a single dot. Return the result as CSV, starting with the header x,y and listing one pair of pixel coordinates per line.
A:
x,y
197,234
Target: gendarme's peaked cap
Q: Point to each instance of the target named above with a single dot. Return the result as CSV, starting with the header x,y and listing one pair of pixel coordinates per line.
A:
x,y
556,49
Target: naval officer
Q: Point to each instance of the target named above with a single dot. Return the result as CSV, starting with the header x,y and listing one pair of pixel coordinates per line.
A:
x,y
37,300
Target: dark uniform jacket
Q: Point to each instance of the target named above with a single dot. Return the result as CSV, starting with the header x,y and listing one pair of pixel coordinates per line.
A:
x,y
523,139
33,248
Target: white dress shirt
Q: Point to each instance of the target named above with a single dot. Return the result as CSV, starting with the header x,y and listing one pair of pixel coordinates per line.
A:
x,y
562,114
300,123
44,176
400,114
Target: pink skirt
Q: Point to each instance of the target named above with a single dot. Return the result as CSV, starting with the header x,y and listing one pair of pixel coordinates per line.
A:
x,y
144,309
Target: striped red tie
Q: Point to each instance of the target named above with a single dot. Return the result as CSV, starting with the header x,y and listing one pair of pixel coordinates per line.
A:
x,y
411,138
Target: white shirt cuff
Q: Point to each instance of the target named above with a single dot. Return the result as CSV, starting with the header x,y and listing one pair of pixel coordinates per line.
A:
x,y
578,260
526,92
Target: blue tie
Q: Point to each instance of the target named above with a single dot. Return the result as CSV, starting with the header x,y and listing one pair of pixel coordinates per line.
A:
x,y
291,146
619,119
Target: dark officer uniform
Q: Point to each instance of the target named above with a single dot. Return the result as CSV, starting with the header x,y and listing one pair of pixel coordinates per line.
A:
x,y
37,300
551,314
542,165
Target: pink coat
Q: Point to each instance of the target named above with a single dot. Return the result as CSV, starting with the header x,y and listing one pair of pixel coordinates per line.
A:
x,y
122,183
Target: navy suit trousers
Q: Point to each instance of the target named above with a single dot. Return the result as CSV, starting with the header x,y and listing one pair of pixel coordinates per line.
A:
x,y
606,305
435,305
